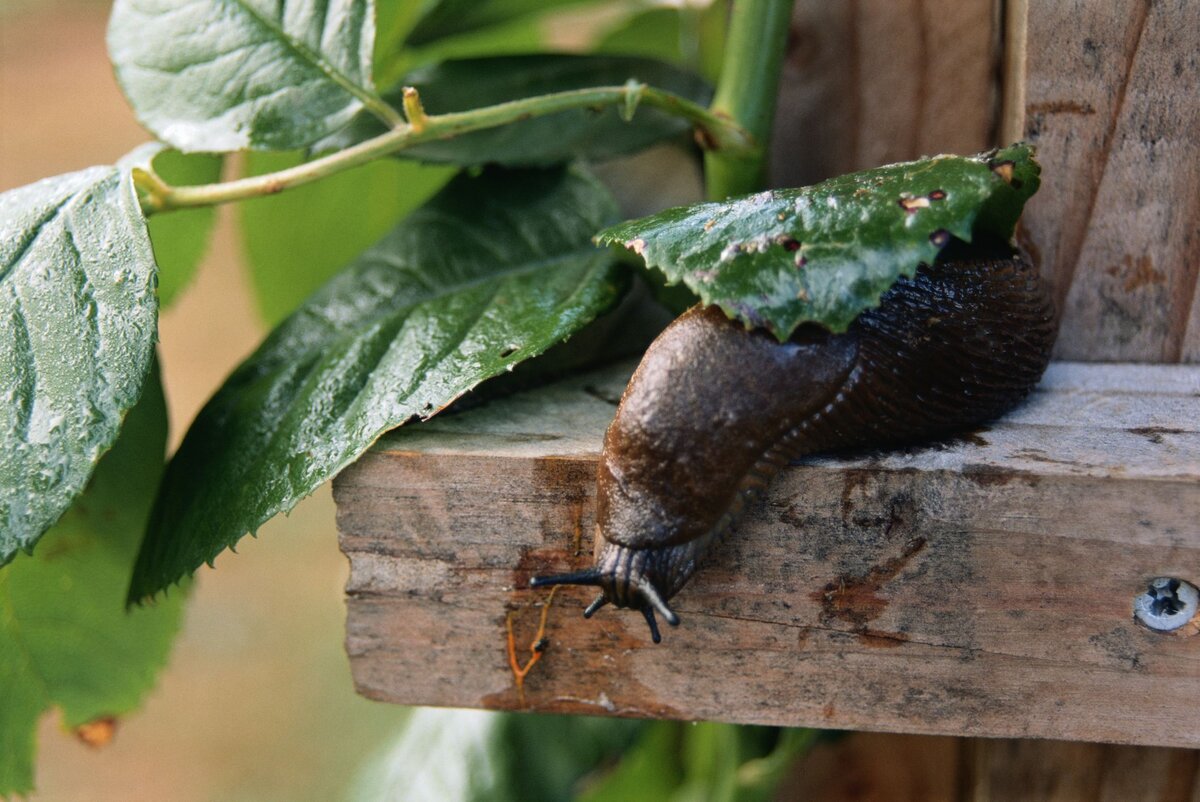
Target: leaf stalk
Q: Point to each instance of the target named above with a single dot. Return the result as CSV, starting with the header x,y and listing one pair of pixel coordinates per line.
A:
x,y
715,131
746,92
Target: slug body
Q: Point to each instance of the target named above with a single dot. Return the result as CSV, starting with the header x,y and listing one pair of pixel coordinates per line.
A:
x,y
714,411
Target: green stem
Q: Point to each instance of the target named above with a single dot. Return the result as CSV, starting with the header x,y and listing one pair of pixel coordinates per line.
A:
x,y
716,131
746,93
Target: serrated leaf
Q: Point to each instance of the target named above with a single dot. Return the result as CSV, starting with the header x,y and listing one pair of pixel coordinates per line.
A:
x,y
180,238
225,75
494,270
577,134
824,253
66,639
78,319
297,240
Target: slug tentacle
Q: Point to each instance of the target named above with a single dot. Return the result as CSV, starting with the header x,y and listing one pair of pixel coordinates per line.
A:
x,y
714,411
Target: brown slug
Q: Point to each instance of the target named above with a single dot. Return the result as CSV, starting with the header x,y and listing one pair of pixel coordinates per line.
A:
x,y
714,411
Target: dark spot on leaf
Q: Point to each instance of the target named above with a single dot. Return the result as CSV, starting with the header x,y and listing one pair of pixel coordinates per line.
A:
x,y
790,244
940,237
937,194
509,351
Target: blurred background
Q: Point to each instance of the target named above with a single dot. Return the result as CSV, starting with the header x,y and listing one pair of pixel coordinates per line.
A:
x,y
257,701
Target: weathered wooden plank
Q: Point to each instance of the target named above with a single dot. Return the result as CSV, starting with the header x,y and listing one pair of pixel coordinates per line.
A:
x,y
1111,101
979,587
1057,771
871,82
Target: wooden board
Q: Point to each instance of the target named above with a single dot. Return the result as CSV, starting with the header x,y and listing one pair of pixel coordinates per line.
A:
x,y
1112,101
982,587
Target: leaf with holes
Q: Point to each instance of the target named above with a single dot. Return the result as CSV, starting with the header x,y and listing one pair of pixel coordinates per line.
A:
x,y
825,253
492,271
78,319
66,639
225,75
593,134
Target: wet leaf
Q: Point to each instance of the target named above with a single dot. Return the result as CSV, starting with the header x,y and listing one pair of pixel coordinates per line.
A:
x,y
493,271
297,240
66,639
78,318
225,75
825,253
580,133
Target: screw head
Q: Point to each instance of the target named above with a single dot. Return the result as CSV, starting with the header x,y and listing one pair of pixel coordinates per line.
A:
x,y
1167,604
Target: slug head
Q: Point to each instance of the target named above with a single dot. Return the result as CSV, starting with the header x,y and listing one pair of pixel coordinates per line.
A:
x,y
623,582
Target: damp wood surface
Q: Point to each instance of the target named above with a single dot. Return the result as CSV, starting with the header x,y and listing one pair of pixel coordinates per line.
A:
x,y
982,586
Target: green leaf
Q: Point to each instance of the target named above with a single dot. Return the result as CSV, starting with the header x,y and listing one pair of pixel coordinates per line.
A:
x,y
478,756
394,19
494,270
519,36
688,36
455,17
66,639
297,240
576,134
78,319
180,238
825,253
650,769
225,75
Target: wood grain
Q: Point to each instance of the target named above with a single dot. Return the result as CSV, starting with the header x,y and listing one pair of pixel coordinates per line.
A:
x,y
1058,771
1113,105
981,587
869,82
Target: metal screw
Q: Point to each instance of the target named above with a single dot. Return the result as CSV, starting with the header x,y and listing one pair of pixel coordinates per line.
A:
x,y
1167,604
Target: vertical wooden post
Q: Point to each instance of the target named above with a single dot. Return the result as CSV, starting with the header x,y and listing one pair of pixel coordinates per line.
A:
x,y
1112,103
1110,94
1108,91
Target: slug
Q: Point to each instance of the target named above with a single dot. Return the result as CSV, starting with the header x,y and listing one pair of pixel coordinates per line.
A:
x,y
714,411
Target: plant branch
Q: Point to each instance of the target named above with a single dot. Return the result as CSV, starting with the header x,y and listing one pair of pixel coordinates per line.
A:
x,y
716,131
746,93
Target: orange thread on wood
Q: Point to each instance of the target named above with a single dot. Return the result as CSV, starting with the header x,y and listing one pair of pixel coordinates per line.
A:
x,y
537,646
